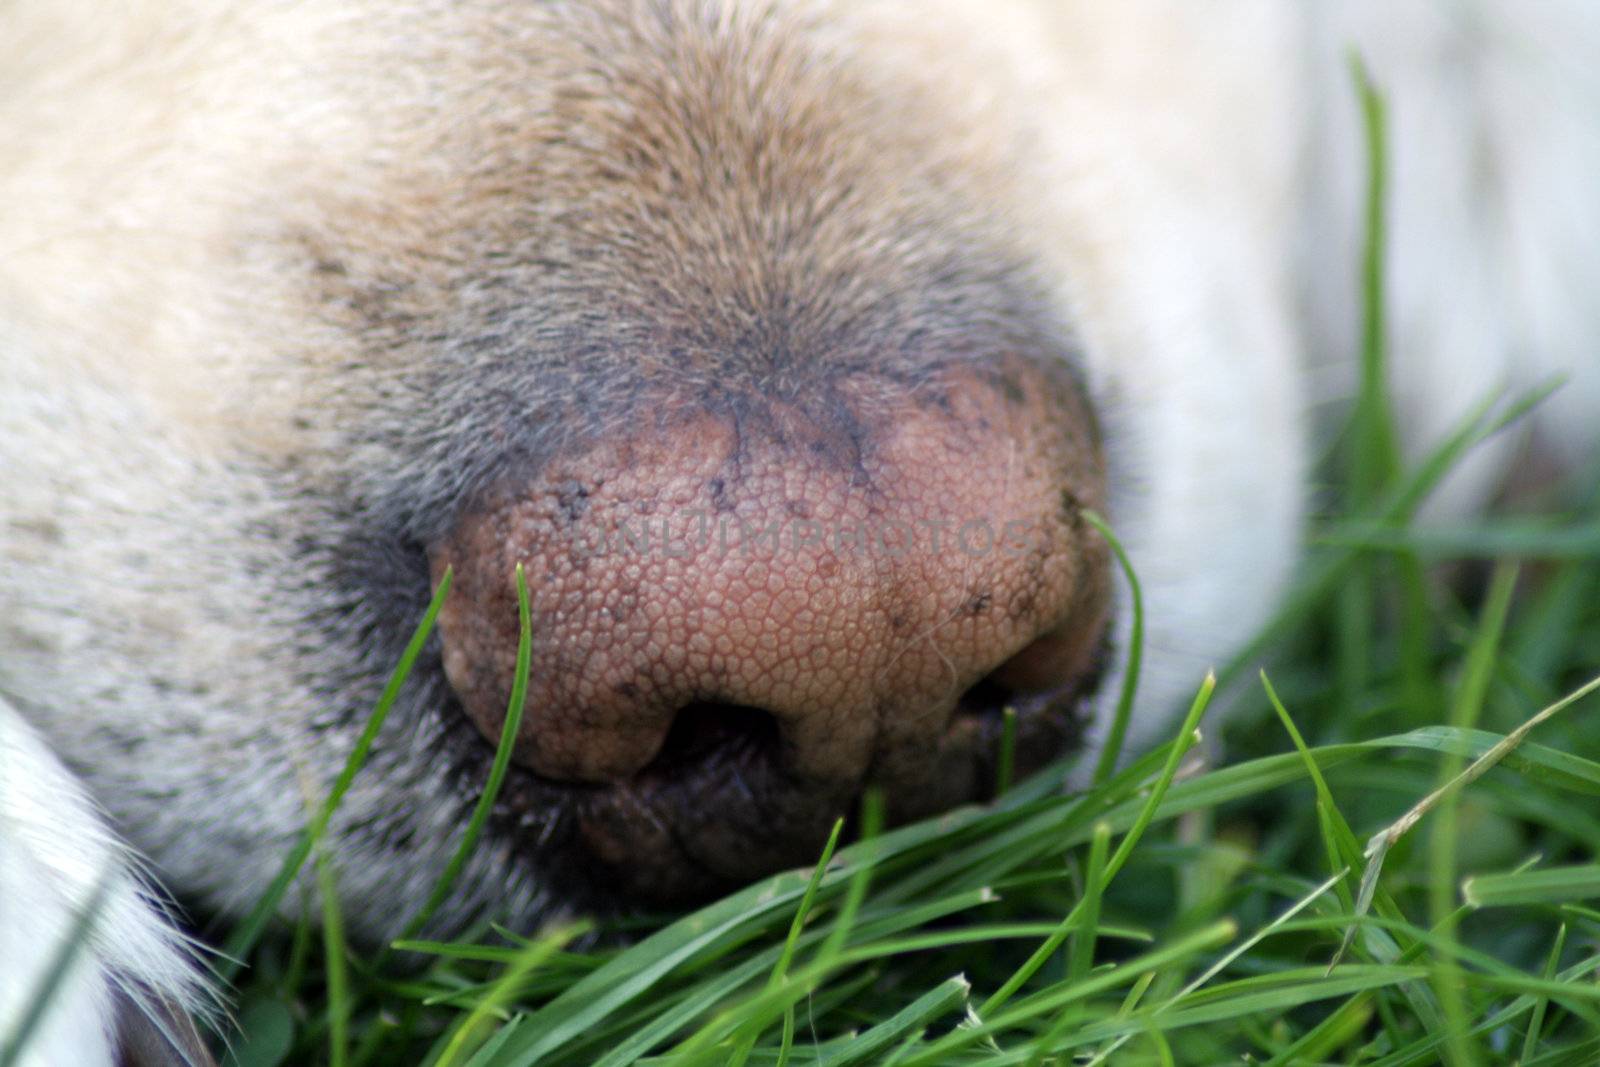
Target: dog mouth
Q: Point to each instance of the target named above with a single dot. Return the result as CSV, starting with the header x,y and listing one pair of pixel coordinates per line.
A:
x,y
717,807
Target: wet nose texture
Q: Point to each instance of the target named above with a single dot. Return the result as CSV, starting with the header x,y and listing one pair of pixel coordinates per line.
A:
x,y
745,612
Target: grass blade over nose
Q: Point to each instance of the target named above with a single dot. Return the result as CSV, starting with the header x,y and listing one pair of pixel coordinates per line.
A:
x,y
497,773
248,932
1111,747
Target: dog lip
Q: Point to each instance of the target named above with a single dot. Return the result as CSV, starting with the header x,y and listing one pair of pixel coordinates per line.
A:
x,y
663,848
679,834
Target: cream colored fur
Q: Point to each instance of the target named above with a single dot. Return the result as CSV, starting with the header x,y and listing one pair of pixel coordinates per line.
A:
x,y
1187,176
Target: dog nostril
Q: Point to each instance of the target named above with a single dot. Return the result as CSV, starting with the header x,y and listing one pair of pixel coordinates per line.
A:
x,y
1041,669
987,699
1042,683
705,736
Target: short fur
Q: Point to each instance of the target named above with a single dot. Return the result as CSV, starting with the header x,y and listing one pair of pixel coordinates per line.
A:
x,y
283,286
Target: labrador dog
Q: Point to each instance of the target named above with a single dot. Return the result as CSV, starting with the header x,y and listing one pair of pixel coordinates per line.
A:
x,y
783,343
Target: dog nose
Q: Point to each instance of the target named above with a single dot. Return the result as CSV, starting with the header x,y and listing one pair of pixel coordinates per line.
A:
x,y
743,612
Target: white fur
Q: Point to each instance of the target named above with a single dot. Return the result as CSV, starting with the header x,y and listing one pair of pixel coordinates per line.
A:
x,y
58,862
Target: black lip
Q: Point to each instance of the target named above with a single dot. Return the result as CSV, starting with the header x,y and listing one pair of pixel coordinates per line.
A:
x,y
686,828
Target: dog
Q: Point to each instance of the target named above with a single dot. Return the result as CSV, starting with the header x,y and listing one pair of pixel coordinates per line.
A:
x,y
787,345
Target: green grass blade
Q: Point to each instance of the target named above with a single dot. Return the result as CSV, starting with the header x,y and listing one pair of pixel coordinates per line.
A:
x,y
1530,1040
1111,748
780,970
1094,883
1187,735
872,817
333,948
1006,766
1442,841
526,962
1551,885
55,973
942,999
497,772
248,932
1054,999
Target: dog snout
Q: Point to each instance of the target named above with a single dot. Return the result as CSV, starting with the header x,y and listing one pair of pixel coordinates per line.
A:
x,y
743,614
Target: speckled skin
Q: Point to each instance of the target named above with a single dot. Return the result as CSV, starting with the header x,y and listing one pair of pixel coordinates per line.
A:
x,y
850,573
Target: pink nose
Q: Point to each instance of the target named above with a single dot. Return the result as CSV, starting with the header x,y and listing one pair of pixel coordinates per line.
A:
x,y
763,609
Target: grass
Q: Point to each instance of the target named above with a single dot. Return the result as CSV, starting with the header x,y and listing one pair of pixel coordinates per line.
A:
x,y
1394,864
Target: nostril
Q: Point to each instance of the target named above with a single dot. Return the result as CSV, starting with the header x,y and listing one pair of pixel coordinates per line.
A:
x,y
987,699
1043,664
1043,669
1043,683
705,736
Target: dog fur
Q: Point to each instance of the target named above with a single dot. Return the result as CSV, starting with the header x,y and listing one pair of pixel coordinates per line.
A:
x,y
272,275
